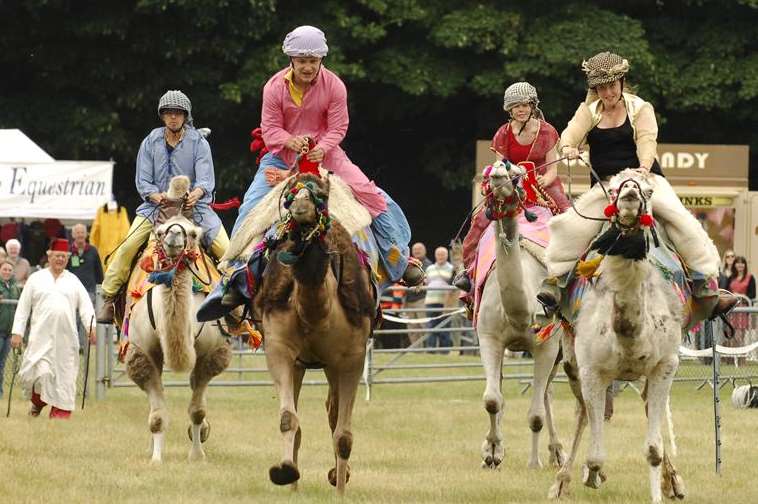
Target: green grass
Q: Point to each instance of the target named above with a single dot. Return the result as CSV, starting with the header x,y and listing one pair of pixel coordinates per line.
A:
x,y
413,443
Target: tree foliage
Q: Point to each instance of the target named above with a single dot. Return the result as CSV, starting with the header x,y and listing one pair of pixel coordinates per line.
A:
x,y
425,76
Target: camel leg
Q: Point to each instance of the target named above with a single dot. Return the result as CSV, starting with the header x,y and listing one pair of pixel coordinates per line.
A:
x,y
593,391
298,383
146,374
207,366
560,487
659,388
491,351
347,387
555,447
544,362
281,364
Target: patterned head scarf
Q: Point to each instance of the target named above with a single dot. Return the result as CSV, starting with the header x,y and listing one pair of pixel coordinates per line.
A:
x,y
522,92
604,68
175,99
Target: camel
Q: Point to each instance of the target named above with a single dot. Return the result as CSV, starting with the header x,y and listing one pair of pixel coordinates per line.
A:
x,y
507,315
633,329
317,309
162,329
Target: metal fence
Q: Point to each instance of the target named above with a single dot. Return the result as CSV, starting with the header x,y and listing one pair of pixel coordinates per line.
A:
x,y
392,359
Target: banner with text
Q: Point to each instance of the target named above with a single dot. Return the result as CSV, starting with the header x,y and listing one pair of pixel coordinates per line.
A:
x,y
62,189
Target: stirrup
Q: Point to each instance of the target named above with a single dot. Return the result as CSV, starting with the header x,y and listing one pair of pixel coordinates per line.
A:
x,y
414,273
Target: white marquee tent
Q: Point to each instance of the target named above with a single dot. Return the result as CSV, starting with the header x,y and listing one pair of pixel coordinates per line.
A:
x,y
34,185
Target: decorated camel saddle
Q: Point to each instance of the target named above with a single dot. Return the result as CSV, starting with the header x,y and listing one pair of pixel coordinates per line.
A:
x,y
153,266
267,224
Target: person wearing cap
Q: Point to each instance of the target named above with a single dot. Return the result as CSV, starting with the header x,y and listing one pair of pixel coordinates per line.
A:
x,y
308,102
176,148
525,138
49,304
620,131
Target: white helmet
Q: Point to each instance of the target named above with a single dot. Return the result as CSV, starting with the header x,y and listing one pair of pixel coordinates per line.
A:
x,y
305,41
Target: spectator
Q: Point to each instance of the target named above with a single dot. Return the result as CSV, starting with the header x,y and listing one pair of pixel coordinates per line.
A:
x,y
438,275
725,274
8,290
21,267
49,302
743,283
85,263
3,254
414,298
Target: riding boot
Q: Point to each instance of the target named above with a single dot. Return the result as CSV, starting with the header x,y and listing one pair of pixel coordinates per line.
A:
x,y
107,310
462,281
549,295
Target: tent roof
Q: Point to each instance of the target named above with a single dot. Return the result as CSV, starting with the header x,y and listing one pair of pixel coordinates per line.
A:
x,y
15,147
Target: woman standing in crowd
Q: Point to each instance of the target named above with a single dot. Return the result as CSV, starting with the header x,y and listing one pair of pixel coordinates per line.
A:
x,y
741,282
727,265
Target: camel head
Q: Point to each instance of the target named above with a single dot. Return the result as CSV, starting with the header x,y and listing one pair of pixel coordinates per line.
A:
x,y
501,189
178,235
631,191
307,199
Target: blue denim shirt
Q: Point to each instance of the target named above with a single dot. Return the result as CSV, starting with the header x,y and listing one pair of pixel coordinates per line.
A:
x,y
191,157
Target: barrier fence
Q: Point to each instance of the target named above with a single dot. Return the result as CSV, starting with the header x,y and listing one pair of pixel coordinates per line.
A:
x,y
397,354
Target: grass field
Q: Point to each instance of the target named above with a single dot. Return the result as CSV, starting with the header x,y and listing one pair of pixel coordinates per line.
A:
x,y
413,443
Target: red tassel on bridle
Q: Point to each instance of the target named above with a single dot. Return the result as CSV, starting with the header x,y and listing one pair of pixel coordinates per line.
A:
x,y
646,220
611,210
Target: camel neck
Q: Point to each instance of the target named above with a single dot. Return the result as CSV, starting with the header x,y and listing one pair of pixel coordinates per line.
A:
x,y
310,288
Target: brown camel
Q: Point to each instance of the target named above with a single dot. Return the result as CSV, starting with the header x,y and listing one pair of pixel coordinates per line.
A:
x,y
317,311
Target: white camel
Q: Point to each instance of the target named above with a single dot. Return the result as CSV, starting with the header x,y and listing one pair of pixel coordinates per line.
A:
x,y
507,316
163,329
630,327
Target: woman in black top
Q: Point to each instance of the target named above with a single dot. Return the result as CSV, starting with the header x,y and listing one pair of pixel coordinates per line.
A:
x,y
621,131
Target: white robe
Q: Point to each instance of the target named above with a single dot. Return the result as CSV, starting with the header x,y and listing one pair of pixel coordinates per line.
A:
x,y
51,358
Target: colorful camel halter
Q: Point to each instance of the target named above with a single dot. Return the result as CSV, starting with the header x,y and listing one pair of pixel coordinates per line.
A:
x,y
496,209
302,235
161,267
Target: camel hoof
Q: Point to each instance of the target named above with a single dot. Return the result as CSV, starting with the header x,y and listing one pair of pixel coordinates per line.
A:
x,y
534,464
674,487
592,478
283,474
196,456
557,457
205,431
492,455
332,476
557,490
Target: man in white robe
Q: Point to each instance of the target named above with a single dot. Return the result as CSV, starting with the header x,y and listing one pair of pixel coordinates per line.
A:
x,y
50,299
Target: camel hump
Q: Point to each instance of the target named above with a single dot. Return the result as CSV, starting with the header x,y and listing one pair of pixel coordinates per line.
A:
x,y
178,187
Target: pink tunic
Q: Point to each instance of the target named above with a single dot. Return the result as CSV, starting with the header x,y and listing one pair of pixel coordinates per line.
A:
x,y
322,116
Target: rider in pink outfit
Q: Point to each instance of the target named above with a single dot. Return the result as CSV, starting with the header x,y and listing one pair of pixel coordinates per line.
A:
x,y
321,116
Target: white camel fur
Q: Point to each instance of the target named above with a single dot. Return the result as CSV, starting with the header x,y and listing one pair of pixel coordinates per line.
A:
x,y
177,339
507,314
630,327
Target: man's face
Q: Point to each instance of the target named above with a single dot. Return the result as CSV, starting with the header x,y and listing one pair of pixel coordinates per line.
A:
x,y
418,250
57,260
173,119
6,271
79,233
305,69
13,249
440,255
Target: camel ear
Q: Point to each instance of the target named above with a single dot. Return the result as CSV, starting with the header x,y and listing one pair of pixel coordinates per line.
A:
x,y
647,193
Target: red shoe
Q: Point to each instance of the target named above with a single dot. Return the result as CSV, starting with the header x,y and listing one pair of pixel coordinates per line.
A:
x,y
37,405
59,414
